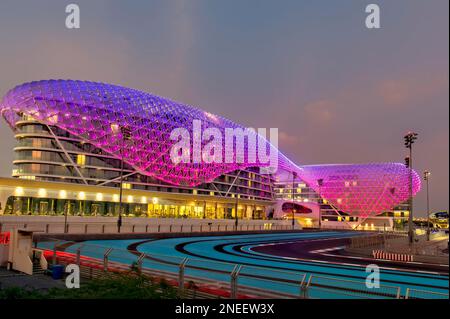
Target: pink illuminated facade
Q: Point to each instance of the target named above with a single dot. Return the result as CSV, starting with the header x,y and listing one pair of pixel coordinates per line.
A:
x,y
103,123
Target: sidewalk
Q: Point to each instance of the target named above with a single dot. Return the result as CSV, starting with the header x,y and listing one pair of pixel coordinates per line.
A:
x,y
16,279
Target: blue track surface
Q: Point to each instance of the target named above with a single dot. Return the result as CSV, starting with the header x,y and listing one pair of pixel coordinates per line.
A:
x,y
218,252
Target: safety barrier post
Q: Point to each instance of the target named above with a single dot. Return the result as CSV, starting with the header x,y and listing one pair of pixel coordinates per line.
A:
x,y
407,293
103,228
181,277
105,259
234,281
86,228
303,288
139,263
78,256
398,293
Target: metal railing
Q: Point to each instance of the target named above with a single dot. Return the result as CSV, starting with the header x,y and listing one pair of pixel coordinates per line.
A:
x,y
201,277
424,294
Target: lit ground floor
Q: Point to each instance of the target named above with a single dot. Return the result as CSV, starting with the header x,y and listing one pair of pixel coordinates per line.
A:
x,y
36,198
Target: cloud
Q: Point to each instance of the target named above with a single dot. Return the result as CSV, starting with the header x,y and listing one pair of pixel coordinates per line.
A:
x,y
321,111
287,140
401,91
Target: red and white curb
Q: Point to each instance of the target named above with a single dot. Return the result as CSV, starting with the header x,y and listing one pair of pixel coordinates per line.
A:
x,y
380,254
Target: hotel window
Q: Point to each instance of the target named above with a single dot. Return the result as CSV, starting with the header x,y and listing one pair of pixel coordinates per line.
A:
x,y
81,159
28,177
36,154
126,185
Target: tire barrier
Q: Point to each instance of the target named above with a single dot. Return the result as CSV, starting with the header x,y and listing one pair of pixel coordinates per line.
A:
x,y
380,254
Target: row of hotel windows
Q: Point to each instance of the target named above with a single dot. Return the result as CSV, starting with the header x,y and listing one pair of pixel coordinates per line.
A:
x,y
78,145
59,207
106,164
104,174
34,169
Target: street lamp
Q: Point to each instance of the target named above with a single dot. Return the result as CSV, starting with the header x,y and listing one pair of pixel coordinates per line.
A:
x,y
320,183
66,210
409,138
126,135
236,208
294,175
426,177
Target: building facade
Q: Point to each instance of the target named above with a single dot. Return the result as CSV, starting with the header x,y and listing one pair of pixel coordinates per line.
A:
x,y
78,142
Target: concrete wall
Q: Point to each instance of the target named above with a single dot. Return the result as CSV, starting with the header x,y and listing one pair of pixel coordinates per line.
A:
x,y
88,225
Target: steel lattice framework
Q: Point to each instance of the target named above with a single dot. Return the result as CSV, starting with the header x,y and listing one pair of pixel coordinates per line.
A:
x,y
96,112
362,189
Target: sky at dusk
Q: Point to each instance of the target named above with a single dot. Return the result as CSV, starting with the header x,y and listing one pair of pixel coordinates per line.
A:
x,y
337,91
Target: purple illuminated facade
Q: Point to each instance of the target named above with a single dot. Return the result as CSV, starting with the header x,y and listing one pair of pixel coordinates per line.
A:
x,y
96,112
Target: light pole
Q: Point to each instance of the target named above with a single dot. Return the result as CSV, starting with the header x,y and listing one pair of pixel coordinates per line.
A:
x,y
294,175
126,135
66,210
426,177
409,138
320,183
236,208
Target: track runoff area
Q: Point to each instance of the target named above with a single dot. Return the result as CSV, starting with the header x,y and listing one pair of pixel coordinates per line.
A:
x,y
319,254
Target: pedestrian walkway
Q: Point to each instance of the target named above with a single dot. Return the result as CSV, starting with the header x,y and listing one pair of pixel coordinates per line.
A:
x,y
11,278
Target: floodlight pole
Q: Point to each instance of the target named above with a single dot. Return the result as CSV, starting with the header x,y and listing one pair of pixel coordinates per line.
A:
x,y
426,176
410,137
410,217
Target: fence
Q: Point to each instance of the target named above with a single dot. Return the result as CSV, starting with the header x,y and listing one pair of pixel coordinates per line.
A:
x,y
200,277
374,240
423,294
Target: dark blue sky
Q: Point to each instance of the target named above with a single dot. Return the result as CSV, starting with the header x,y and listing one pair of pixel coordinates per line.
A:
x,y
337,91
